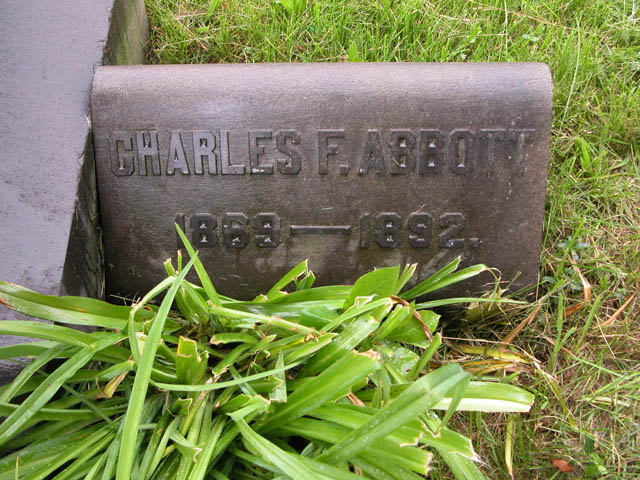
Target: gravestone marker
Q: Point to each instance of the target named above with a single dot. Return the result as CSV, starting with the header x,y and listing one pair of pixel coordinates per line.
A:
x,y
353,166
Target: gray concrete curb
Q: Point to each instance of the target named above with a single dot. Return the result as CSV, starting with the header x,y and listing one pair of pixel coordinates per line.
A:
x,y
50,240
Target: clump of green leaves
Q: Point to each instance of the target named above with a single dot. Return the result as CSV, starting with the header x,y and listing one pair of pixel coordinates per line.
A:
x,y
315,383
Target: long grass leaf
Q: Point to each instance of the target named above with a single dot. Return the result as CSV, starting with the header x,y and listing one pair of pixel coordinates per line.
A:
x,y
49,386
74,310
87,454
286,462
288,277
29,349
456,277
491,397
461,467
210,290
427,284
28,371
73,451
416,399
335,381
203,460
412,433
405,456
220,385
347,340
141,382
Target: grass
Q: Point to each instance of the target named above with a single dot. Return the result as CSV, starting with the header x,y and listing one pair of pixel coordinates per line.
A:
x,y
583,354
359,404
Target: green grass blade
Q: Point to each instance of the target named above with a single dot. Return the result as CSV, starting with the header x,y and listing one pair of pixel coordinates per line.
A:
x,y
398,316
28,371
425,357
461,467
309,347
412,433
491,397
358,311
347,340
210,290
204,458
49,386
263,319
141,382
98,466
416,399
289,277
381,470
329,471
381,282
46,331
220,385
457,300
74,310
280,393
405,456
73,451
427,284
335,381
160,450
286,462
131,330
460,276
88,454
332,293
152,447
407,274
30,349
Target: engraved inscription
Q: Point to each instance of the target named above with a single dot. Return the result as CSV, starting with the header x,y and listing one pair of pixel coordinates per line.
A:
x,y
267,228
204,144
402,146
122,154
420,227
454,223
147,145
234,230
372,155
256,149
431,154
489,138
328,148
203,230
461,151
285,140
365,230
177,158
386,228
226,167
320,229
373,152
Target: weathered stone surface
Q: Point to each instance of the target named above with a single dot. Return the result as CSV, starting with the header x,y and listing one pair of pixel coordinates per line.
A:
x,y
48,199
353,166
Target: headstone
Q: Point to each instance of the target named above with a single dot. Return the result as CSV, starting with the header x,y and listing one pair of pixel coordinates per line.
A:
x,y
353,166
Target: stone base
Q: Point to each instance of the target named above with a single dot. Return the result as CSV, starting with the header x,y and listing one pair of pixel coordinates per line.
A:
x,y
48,210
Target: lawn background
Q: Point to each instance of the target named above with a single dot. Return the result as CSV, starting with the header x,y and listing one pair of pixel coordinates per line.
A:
x,y
586,372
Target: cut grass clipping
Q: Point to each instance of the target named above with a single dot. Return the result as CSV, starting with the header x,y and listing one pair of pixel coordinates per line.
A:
x,y
320,383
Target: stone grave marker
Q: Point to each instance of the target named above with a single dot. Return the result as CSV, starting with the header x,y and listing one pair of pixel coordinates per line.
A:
x,y
353,166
